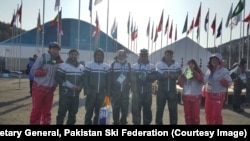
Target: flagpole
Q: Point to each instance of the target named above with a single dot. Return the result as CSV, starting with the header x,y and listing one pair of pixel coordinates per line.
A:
x,y
199,27
37,35
152,40
221,34
107,30
240,46
79,13
19,63
16,47
248,42
215,34
148,32
242,23
162,27
43,27
128,29
58,23
90,29
166,33
230,43
207,32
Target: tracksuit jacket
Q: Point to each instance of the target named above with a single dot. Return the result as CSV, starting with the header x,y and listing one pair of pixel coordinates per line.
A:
x,y
142,97
167,90
43,88
69,74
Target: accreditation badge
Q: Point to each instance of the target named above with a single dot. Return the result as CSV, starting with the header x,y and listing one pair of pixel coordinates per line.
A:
x,y
187,89
188,73
121,78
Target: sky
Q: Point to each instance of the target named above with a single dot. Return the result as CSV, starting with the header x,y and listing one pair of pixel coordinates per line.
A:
x,y
141,11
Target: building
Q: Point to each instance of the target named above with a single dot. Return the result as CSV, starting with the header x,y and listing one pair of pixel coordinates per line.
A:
x,y
17,50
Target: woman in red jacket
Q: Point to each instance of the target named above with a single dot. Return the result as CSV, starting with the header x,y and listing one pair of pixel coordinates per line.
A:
x,y
191,81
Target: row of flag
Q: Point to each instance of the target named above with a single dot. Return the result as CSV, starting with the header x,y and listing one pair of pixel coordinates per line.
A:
x,y
16,15
133,29
233,16
57,19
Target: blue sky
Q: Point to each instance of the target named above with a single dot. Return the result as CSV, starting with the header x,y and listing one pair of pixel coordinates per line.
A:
x,y
141,11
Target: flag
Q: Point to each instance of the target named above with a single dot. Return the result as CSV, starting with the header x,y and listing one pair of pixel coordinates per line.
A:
x,y
197,21
39,26
55,20
57,5
198,33
90,7
219,30
132,27
59,27
185,25
128,24
156,34
113,27
239,7
229,15
134,34
152,32
247,19
213,25
97,27
166,26
248,28
160,23
206,20
191,27
13,21
19,13
114,33
236,20
97,2
148,28
170,31
175,37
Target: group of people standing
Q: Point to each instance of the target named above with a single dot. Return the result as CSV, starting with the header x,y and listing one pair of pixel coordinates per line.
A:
x,y
120,79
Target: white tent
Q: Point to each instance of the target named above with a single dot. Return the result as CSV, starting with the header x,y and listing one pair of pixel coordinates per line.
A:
x,y
184,50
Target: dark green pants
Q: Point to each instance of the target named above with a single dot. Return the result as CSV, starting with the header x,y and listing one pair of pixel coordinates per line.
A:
x,y
67,103
120,103
141,103
94,101
170,97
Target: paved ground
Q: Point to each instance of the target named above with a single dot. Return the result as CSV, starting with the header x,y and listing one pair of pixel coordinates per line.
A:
x,y
15,106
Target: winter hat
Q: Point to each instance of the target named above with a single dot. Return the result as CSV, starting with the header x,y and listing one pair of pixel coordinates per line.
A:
x,y
217,56
54,45
121,51
242,61
143,51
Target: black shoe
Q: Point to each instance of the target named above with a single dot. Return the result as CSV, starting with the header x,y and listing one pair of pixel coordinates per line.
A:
x,y
239,110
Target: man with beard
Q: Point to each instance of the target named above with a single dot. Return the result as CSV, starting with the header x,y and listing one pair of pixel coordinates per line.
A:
x,y
120,87
70,77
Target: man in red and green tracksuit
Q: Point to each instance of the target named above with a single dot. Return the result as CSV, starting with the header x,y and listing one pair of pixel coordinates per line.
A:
x,y
44,85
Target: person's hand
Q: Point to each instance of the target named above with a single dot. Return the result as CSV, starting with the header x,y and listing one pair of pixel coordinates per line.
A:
x,y
75,88
46,70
